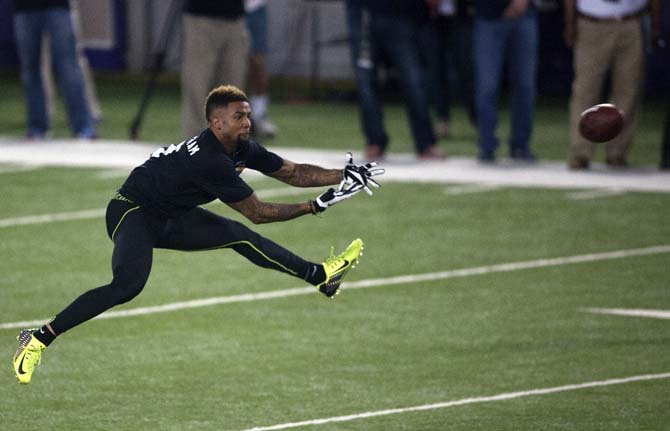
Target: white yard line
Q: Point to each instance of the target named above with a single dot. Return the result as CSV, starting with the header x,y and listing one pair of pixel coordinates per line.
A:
x,y
363,284
13,168
100,212
465,401
50,218
111,174
654,314
594,194
467,189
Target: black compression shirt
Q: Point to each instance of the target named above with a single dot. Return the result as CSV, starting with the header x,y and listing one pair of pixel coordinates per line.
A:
x,y
180,177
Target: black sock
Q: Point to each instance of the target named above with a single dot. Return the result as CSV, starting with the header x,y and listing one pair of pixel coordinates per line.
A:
x,y
44,335
316,275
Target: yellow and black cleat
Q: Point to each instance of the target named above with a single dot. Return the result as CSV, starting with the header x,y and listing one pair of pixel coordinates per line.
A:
x,y
28,355
336,267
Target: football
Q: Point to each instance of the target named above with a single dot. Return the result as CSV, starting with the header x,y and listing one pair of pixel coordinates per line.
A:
x,y
601,123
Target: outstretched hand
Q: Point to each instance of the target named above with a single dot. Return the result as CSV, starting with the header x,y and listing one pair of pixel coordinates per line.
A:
x,y
331,196
360,174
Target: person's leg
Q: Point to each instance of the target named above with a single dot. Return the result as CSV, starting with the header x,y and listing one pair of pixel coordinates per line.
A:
x,y
489,39
591,60
464,64
444,58
233,57
198,72
29,30
258,83
627,84
371,111
68,73
134,235
48,78
257,80
200,229
361,48
432,51
89,82
398,37
523,44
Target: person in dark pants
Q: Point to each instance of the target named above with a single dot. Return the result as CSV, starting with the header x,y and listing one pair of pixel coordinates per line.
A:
x,y
362,61
392,29
505,32
447,43
158,207
32,20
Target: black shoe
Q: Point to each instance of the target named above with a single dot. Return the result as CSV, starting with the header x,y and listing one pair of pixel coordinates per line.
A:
x,y
522,156
487,157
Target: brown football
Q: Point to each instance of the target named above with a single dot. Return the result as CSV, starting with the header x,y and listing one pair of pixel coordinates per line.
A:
x,y
601,123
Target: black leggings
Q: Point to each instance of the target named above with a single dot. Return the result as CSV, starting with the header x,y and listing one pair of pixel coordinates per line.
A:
x,y
136,233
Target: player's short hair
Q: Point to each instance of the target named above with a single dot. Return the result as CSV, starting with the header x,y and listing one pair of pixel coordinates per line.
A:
x,y
222,96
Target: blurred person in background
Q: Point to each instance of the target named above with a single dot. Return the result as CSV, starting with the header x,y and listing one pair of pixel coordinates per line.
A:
x,y
606,37
89,83
447,50
505,32
33,20
360,48
258,82
393,31
215,50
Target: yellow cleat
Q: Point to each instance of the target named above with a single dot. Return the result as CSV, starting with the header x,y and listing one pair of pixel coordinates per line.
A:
x,y
336,267
27,356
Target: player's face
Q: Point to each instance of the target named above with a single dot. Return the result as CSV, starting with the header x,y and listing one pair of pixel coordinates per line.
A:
x,y
232,121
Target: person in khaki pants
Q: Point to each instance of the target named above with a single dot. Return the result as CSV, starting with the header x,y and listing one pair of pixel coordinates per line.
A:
x,y
215,50
606,36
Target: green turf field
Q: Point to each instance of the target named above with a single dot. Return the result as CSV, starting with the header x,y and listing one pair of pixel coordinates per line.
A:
x,y
429,319
397,344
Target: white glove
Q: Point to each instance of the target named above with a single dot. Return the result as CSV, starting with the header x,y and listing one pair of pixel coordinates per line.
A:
x,y
331,196
360,174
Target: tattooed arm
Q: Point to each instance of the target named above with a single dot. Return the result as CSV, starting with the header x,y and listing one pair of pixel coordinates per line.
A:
x,y
304,175
266,212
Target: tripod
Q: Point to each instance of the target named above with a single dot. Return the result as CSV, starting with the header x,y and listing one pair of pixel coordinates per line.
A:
x,y
157,64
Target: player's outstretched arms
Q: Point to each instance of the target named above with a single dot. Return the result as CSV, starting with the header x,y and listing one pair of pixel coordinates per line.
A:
x,y
259,212
306,175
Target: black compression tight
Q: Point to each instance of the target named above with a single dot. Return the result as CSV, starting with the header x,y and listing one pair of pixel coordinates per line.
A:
x,y
136,233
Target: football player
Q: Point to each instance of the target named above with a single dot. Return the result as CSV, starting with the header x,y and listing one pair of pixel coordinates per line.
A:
x,y
158,206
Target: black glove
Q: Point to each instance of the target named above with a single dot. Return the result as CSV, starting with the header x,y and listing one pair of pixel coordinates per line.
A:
x,y
360,174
